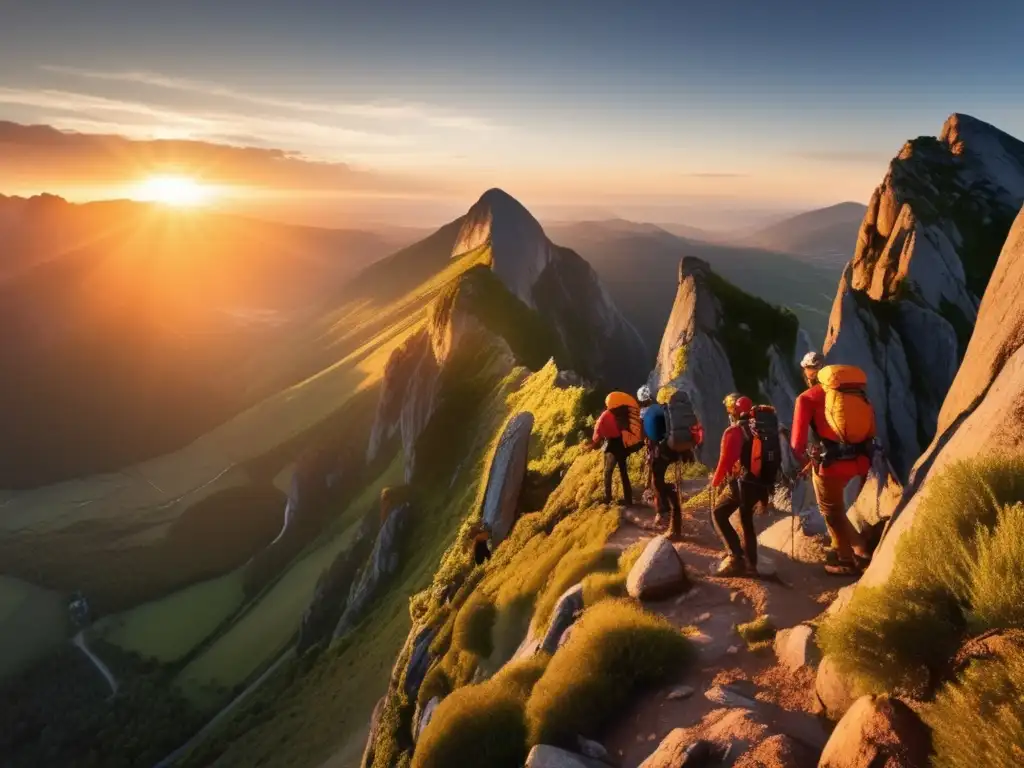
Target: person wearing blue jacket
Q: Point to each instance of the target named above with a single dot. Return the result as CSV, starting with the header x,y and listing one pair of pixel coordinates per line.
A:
x,y
661,458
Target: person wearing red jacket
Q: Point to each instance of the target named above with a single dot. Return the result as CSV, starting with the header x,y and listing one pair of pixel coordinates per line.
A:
x,y
829,481
732,490
607,430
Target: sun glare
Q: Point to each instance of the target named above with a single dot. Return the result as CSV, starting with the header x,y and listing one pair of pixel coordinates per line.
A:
x,y
172,190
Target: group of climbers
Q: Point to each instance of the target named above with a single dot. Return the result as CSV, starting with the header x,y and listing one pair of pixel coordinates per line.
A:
x,y
832,439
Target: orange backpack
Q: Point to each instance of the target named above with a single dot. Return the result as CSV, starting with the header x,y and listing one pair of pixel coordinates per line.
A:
x,y
627,416
847,408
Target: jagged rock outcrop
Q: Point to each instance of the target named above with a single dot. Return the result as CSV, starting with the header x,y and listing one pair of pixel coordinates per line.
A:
x,y
505,477
383,562
984,408
709,336
908,299
413,375
596,339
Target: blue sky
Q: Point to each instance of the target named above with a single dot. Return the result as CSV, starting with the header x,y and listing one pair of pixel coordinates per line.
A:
x,y
600,103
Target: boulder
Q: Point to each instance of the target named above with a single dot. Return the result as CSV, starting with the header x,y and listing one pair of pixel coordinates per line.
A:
x,y
423,717
546,756
659,573
835,690
842,600
419,662
680,750
568,607
505,477
382,563
787,537
592,749
795,647
878,732
777,751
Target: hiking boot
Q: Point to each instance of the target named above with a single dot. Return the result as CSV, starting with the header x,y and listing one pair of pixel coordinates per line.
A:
x,y
659,521
842,568
731,566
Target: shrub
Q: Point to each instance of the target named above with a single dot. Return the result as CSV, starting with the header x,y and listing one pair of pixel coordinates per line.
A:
x,y
602,586
958,570
476,725
482,724
757,632
570,571
473,624
615,649
980,720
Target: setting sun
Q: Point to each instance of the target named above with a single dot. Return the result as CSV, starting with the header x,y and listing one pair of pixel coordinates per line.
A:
x,y
172,190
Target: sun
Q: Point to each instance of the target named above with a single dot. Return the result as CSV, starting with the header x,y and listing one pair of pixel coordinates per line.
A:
x,y
172,190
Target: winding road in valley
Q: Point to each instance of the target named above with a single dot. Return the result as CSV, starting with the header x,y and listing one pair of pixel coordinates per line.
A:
x,y
79,642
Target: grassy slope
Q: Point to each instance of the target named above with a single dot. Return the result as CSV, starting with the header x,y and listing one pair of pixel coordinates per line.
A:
x,y
33,622
107,516
317,707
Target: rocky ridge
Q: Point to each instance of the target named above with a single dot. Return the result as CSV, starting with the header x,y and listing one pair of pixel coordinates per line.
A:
x,y
908,299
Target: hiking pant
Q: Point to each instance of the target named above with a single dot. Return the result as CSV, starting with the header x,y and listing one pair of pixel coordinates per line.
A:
x,y
744,497
615,456
481,552
668,495
829,492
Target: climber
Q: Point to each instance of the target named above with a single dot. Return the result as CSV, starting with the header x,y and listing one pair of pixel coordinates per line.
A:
x,y
833,461
618,428
673,432
734,486
479,535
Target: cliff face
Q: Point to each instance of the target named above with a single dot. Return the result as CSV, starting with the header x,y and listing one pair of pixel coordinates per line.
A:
x,y
596,340
720,340
908,300
984,409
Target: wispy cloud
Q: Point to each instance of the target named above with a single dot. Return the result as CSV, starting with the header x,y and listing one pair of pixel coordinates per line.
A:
x,y
133,117
851,156
38,155
381,111
712,175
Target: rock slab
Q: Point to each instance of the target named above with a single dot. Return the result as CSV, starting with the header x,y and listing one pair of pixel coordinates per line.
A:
x,y
505,478
835,690
795,647
659,573
546,756
568,607
878,732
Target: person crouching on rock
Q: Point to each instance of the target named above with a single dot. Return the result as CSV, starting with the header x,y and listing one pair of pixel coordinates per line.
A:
x,y
608,432
731,491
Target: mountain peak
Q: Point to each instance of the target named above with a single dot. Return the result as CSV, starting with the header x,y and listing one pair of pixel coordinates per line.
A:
x,y
519,249
691,266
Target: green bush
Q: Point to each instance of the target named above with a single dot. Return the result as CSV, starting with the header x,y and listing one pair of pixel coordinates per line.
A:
x,y
980,720
570,571
603,585
482,724
958,571
756,632
473,625
615,649
476,725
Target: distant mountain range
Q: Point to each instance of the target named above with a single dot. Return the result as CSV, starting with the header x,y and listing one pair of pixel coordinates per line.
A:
x,y
828,235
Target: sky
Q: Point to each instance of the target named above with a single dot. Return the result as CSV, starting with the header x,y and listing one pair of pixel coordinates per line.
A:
x,y
332,112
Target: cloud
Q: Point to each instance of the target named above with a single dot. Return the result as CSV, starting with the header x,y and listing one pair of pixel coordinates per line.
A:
x,y
846,156
45,157
379,111
711,175
198,124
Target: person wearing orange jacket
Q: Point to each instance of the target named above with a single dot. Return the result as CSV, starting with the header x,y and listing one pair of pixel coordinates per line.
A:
x,y
829,480
732,490
607,431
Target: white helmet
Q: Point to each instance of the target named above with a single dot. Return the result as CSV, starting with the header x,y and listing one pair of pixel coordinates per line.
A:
x,y
643,395
812,360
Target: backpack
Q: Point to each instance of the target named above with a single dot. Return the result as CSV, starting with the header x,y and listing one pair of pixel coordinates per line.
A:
x,y
680,419
762,448
627,417
847,408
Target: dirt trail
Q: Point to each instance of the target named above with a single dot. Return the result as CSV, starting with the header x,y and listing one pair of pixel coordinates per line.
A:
x,y
715,606
79,642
